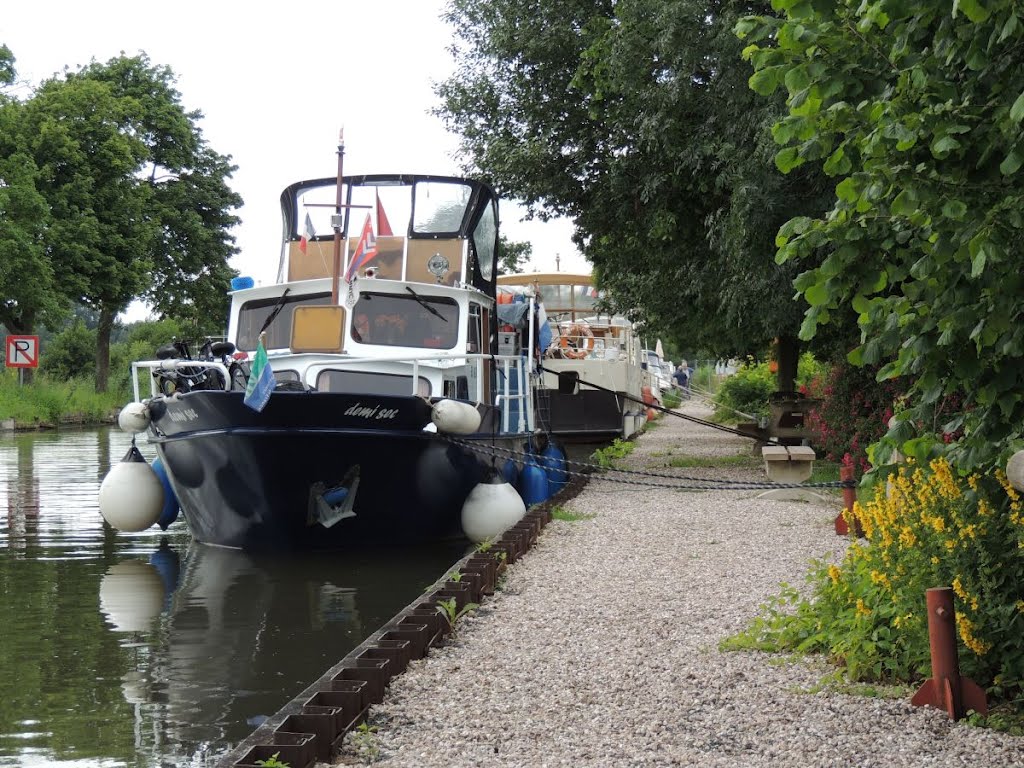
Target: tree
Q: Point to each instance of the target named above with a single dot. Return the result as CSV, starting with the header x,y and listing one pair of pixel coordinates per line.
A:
x,y
512,256
26,276
915,110
633,118
139,202
7,71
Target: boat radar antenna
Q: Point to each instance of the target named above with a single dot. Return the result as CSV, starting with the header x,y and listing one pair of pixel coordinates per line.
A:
x,y
337,220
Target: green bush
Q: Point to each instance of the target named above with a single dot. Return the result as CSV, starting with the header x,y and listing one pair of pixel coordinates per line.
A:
x,y
747,391
141,343
750,388
70,353
932,526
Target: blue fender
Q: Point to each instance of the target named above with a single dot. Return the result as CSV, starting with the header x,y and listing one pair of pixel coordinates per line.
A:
x,y
171,506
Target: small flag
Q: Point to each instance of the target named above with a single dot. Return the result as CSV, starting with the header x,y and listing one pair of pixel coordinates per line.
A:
x,y
307,234
261,380
366,250
383,225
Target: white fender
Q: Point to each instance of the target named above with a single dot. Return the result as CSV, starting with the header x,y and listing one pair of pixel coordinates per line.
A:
x,y
455,417
134,418
131,595
131,496
491,508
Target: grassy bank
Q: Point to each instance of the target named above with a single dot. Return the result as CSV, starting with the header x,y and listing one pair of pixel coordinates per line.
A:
x,y
48,403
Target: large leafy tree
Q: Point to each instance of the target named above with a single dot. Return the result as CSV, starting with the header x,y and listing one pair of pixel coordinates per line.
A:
x,y
27,291
916,110
139,203
633,118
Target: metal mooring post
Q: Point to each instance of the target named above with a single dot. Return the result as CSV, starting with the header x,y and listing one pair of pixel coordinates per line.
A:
x,y
946,689
849,498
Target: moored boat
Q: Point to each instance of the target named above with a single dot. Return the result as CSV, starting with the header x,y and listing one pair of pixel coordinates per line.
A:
x,y
592,387
384,400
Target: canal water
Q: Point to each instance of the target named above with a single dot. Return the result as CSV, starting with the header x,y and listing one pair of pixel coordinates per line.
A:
x,y
149,649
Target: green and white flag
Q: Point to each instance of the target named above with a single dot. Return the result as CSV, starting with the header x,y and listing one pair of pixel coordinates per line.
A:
x,y
261,380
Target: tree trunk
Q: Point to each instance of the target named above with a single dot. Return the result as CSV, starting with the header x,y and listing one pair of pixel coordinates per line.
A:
x,y
788,355
103,330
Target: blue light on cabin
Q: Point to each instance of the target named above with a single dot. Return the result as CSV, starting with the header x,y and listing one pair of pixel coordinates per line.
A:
x,y
241,283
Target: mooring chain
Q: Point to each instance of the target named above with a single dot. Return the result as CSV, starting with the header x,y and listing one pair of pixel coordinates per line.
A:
x,y
602,472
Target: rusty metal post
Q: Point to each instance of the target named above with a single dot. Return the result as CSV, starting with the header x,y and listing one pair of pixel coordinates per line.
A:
x,y
946,689
849,499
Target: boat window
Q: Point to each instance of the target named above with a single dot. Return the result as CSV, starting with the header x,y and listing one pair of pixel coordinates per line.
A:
x,y
556,297
370,383
484,238
585,298
254,313
473,345
440,207
285,375
405,320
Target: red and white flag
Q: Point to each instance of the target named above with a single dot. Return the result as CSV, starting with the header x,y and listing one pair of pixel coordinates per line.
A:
x,y
366,250
307,234
383,225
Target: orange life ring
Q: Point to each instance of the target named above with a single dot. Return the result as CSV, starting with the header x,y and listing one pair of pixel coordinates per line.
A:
x,y
577,342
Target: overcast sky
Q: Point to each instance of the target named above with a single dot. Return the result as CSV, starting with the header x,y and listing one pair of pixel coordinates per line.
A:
x,y
275,83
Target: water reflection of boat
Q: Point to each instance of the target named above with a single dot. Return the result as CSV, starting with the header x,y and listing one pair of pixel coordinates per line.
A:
x,y
241,634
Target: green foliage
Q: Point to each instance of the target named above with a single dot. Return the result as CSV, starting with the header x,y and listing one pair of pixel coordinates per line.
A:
x,y
513,256
750,388
607,456
71,353
560,513
633,119
273,762
363,739
915,112
746,391
7,71
49,401
109,182
451,613
671,398
1004,719
705,379
852,412
869,611
689,462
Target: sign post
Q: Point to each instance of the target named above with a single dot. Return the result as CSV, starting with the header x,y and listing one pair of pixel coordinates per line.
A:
x,y
22,353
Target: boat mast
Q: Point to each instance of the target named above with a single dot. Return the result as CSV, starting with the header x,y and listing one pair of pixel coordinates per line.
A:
x,y
337,221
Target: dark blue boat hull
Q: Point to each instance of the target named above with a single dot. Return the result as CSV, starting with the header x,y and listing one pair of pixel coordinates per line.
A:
x,y
253,480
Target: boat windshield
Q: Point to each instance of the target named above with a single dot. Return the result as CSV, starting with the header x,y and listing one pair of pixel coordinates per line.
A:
x,y
405,320
426,208
253,314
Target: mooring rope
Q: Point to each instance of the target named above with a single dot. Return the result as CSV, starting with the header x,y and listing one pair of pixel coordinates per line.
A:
x,y
602,472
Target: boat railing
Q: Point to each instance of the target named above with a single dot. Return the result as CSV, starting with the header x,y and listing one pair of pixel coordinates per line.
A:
x,y
513,397
196,367
515,401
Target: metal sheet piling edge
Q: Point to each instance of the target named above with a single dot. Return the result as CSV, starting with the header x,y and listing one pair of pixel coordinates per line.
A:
x,y
405,637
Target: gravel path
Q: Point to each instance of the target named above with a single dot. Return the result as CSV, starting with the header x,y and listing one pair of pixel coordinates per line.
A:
x,y
602,649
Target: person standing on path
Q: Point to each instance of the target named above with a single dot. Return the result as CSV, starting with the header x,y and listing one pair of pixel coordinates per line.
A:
x,y
682,377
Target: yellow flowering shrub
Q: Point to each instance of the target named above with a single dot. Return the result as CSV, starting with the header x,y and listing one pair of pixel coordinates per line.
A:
x,y
926,527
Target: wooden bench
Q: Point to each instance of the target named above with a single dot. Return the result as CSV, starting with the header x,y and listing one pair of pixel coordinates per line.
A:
x,y
788,463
